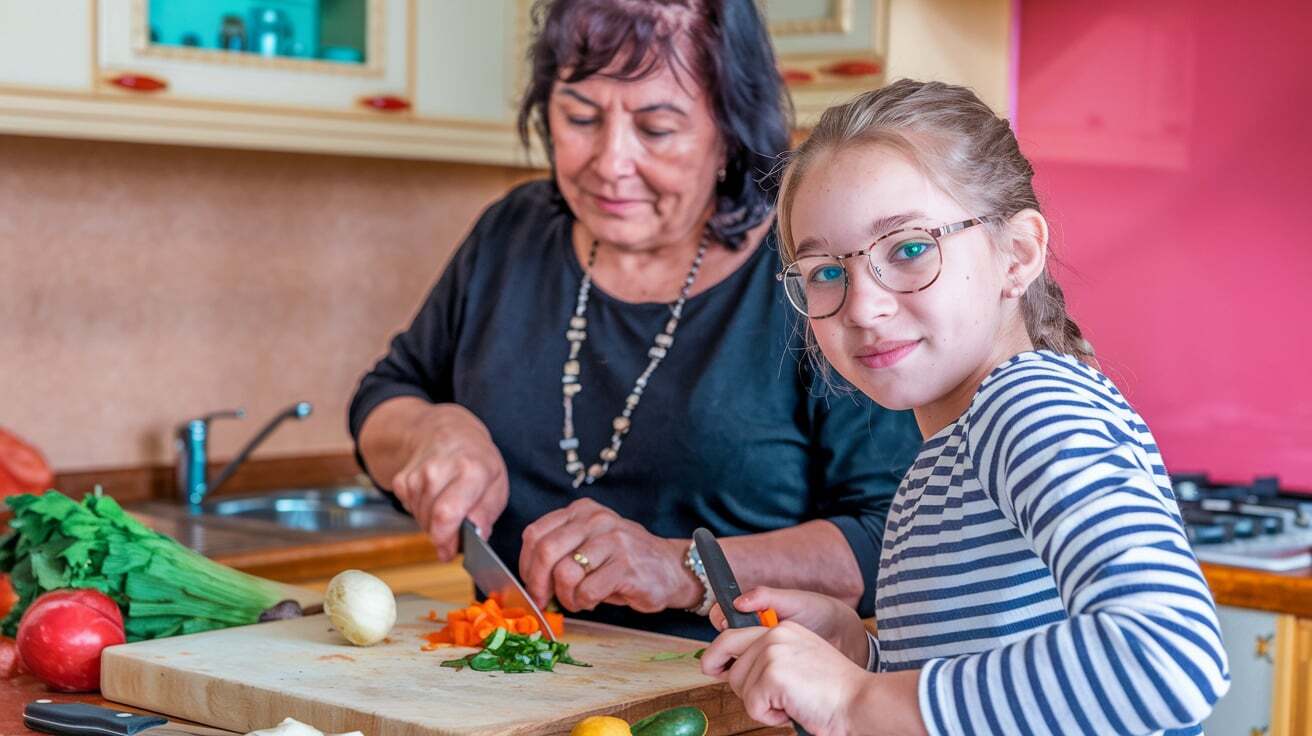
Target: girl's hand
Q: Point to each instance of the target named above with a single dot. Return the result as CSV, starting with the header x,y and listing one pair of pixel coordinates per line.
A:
x,y
826,617
788,672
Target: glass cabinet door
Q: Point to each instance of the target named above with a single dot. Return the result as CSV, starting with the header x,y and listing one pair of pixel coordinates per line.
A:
x,y
345,55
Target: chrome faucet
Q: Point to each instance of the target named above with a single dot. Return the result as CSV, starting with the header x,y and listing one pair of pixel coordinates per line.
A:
x,y
193,445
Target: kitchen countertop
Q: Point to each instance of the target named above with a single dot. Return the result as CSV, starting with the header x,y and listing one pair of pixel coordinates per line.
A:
x,y
292,556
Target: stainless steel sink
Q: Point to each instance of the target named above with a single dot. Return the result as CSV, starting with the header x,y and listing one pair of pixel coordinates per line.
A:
x,y
345,509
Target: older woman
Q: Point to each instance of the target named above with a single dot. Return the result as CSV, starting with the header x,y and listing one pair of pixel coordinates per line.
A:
x,y
607,362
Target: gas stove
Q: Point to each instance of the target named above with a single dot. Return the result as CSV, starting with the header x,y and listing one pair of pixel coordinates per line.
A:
x,y
1256,526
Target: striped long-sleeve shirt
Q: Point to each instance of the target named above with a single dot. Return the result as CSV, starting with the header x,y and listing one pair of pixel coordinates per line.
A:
x,y
1035,568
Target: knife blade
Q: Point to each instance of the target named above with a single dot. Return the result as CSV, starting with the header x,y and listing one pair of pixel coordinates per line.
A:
x,y
84,719
725,587
491,576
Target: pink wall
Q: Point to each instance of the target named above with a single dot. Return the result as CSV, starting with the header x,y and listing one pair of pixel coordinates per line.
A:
x,y
1174,151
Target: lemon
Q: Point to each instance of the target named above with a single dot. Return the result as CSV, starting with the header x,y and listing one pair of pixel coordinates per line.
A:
x,y
601,726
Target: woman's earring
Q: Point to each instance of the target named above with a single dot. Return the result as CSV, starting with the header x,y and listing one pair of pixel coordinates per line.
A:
x,y
1014,292
719,175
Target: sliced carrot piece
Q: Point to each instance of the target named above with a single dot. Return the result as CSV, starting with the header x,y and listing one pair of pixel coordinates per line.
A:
x,y
769,619
461,632
512,613
456,614
556,621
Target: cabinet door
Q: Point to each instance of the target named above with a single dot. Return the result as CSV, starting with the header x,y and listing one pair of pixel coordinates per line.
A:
x,y
267,54
469,59
43,45
1252,646
831,50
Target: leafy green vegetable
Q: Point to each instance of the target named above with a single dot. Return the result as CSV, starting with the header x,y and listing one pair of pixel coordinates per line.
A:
x,y
163,588
506,652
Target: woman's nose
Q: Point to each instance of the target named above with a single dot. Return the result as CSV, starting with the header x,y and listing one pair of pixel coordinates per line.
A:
x,y
616,153
868,302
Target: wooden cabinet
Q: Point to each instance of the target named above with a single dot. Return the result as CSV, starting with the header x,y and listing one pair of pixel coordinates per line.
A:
x,y
1270,674
436,81
44,46
247,79
832,50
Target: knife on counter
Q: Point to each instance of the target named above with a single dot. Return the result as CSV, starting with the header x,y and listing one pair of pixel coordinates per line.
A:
x,y
725,587
83,719
492,576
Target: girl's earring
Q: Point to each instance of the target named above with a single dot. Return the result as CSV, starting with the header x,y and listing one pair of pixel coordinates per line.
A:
x,y
719,175
1014,292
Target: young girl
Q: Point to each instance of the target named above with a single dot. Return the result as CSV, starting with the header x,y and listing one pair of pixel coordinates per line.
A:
x,y
1034,576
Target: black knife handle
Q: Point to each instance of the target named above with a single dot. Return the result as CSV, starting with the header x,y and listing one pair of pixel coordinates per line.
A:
x,y
77,719
721,578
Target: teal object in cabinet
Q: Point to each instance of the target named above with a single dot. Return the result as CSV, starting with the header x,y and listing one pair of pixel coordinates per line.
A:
x,y
270,27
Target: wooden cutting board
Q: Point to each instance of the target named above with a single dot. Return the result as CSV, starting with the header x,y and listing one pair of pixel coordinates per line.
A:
x,y
252,677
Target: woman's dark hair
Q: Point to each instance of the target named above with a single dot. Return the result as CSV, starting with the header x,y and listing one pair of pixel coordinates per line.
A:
x,y
722,44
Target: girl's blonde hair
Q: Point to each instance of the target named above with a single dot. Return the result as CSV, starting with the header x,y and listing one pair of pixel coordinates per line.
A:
x,y
968,152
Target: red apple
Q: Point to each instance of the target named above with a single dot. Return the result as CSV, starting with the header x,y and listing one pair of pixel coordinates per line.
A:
x,y
61,634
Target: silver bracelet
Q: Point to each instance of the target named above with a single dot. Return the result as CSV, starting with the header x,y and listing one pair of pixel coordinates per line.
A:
x,y
693,561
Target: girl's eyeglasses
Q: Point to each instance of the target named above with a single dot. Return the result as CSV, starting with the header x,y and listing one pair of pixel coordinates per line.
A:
x,y
904,261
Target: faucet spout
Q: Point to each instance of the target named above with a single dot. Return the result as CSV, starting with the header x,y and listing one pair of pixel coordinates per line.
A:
x,y
299,410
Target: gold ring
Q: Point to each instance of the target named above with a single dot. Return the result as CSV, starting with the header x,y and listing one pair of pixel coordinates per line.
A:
x,y
583,561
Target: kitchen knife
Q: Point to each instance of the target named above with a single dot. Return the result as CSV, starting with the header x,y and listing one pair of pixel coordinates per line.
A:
x,y
725,587
491,576
83,719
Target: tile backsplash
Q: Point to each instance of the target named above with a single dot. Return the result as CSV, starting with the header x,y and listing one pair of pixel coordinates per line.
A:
x,y
142,285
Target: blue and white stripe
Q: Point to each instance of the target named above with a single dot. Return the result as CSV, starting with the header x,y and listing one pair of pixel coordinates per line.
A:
x,y
1035,568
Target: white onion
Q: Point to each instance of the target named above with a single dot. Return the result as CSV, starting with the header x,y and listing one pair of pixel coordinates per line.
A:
x,y
360,606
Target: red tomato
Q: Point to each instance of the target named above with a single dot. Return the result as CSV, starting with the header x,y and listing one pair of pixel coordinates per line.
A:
x,y
22,469
61,635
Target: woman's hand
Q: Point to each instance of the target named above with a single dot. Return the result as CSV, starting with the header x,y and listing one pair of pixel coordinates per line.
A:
x,y
826,617
788,672
626,564
453,472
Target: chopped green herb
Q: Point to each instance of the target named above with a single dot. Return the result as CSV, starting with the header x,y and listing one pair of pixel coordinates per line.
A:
x,y
671,656
506,652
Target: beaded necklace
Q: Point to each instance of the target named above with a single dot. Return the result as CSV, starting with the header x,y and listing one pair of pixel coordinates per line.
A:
x,y
571,386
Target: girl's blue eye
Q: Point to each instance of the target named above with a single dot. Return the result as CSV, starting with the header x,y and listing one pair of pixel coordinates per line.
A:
x,y
911,250
827,274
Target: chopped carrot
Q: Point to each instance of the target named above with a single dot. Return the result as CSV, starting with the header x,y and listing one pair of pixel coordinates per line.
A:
x,y
769,619
556,621
469,626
